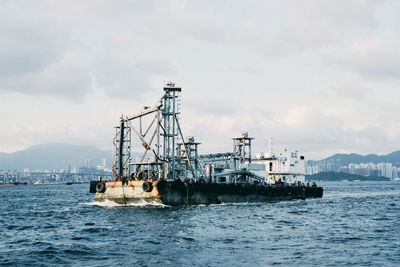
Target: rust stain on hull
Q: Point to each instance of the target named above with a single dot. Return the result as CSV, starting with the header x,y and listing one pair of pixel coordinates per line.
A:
x,y
180,193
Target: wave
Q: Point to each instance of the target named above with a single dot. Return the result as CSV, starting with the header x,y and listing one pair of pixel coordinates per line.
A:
x,y
361,194
111,204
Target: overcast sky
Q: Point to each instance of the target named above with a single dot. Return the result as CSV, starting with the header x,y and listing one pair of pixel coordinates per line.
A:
x,y
321,77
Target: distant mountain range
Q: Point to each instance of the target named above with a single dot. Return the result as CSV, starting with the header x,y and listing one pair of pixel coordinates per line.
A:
x,y
54,156
60,156
346,159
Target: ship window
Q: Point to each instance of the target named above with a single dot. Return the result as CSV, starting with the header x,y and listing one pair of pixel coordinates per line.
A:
x,y
222,179
302,157
270,166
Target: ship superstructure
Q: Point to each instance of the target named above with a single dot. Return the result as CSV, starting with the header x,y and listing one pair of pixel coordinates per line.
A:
x,y
286,167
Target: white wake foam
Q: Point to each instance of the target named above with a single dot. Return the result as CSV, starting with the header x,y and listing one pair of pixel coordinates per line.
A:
x,y
111,204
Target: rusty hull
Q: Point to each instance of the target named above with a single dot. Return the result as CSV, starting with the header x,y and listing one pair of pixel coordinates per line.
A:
x,y
180,193
128,193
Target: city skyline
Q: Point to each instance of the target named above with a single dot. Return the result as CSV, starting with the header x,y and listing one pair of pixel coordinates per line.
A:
x,y
384,169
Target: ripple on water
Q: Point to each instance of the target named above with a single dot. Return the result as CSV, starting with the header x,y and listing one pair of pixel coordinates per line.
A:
x,y
94,230
77,252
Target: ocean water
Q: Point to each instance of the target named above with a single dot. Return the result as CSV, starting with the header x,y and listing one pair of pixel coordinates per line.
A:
x,y
355,223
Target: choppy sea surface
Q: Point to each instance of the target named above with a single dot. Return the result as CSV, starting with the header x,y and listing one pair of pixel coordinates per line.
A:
x,y
355,223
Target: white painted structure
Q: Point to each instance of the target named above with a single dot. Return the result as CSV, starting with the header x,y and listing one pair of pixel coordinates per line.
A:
x,y
287,167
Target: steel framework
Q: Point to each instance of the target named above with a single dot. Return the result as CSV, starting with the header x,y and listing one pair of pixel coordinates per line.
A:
x,y
171,155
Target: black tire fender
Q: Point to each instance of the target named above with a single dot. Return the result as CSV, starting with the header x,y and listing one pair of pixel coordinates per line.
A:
x,y
162,186
100,187
147,187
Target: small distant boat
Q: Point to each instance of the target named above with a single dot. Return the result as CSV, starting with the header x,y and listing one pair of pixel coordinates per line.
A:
x,y
13,184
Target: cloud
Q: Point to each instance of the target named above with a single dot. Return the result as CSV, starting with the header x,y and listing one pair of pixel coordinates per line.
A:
x,y
123,74
374,58
308,25
116,50
34,55
247,67
29,41
65,79
41,55
22,135
352,91
315,132
345,90
211,105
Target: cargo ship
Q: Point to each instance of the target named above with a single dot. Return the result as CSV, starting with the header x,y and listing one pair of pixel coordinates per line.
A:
x,y
170,170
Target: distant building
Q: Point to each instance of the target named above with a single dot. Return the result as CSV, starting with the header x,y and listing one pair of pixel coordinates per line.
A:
x,y
386,169
396,172
352,168
88,163
375,173
344,170
312,168
361,171
389,170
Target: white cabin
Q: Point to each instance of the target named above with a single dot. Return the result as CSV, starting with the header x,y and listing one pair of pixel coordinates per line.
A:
x,y
287,167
